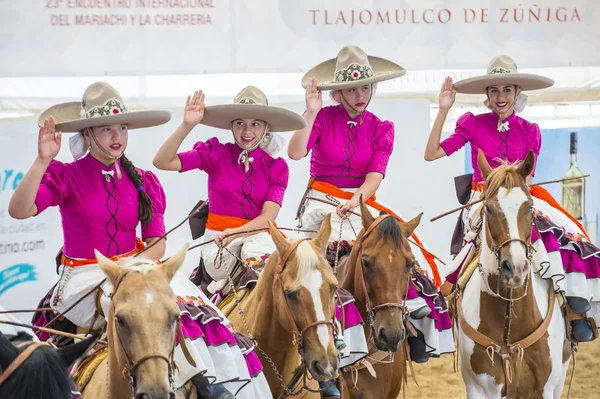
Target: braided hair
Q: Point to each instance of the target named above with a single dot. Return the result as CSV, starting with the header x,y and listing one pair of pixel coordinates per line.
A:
x,y
145,212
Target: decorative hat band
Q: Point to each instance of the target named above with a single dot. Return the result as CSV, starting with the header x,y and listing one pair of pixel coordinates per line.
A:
x,y
353,72
111,107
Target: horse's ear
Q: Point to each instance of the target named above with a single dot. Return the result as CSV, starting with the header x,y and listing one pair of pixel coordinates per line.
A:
x,y
526,167
412,225
8,352
72,352
109,267
173,264
281,243
365,214
484,166
322,238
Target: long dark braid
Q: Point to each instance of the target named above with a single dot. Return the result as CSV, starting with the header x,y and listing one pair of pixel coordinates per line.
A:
x,y
145,213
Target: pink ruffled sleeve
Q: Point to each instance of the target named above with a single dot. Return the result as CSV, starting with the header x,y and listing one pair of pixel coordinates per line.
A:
x,y
383,145
535,142
156,227
54,187
465,125
317,130
204,156
278,181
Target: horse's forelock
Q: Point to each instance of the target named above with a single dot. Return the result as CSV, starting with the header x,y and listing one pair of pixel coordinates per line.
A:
x,y
389,229
506,175
307,261
141,265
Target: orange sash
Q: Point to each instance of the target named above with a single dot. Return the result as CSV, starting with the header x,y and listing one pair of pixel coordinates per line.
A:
x,y
331,189
222,223
70,262
543,194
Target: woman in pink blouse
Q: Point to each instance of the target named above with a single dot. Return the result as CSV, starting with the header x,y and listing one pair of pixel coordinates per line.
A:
x,y
102,198
246,183
349,152
564,252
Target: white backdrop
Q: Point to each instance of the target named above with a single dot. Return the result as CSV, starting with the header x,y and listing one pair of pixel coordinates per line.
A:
x,y
412,186
148,37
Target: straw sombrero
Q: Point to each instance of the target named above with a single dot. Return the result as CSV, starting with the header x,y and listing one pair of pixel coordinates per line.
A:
x,y
502,71
352,67
251,103
101,105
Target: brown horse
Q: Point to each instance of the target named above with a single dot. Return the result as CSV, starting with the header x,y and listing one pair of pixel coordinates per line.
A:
x,y
291,309
140,341
377,273
511,334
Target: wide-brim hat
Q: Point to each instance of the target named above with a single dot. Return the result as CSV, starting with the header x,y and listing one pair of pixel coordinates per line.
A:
x,y
502,71
101,105
351,68
252,103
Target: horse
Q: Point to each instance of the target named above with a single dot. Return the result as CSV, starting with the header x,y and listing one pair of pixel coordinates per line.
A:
x,y
36,370
141,342
377,273
291,310
511,335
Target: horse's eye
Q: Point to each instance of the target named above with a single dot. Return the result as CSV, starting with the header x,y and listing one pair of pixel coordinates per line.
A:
x,y
120,321
291,295
488,209
365,263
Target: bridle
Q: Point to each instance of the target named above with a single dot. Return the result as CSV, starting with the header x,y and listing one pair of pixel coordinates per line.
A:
x,y
360,279
132,366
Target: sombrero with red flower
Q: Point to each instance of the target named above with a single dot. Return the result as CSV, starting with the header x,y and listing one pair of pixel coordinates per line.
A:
x,y
352,68
101,105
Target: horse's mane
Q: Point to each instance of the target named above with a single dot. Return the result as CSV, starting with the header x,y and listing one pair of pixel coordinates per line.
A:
x,y
42,375
307,262
389,229
505,175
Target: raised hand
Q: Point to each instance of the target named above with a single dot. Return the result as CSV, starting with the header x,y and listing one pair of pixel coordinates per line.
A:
x,y
447,94
194,109
48,141
314,97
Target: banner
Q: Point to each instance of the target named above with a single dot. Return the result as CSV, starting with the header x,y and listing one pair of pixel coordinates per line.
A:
x,y
149,37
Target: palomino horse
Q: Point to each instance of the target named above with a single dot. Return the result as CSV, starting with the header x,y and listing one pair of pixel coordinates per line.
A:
x,y
35,370
141,342
511,334
377,273
291,310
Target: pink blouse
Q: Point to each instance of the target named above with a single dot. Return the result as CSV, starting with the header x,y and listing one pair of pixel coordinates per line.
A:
x,y
99,211
344,150
232,191
482,132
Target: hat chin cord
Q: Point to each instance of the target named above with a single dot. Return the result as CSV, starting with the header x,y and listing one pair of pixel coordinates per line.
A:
x,y
105,152
500,120
245,154
354,109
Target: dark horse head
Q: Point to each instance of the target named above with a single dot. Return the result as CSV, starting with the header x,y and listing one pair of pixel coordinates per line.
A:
x,y
44,374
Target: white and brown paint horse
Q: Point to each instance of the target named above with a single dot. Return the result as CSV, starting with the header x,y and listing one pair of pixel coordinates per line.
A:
x,y
377,274
291,310
511,335
141,342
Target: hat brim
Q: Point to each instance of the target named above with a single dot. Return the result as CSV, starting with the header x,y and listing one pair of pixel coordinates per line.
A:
x,y
526,81
324,73
68,119
279,119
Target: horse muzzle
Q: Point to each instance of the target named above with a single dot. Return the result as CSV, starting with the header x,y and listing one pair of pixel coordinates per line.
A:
x,y
514,276
155,395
